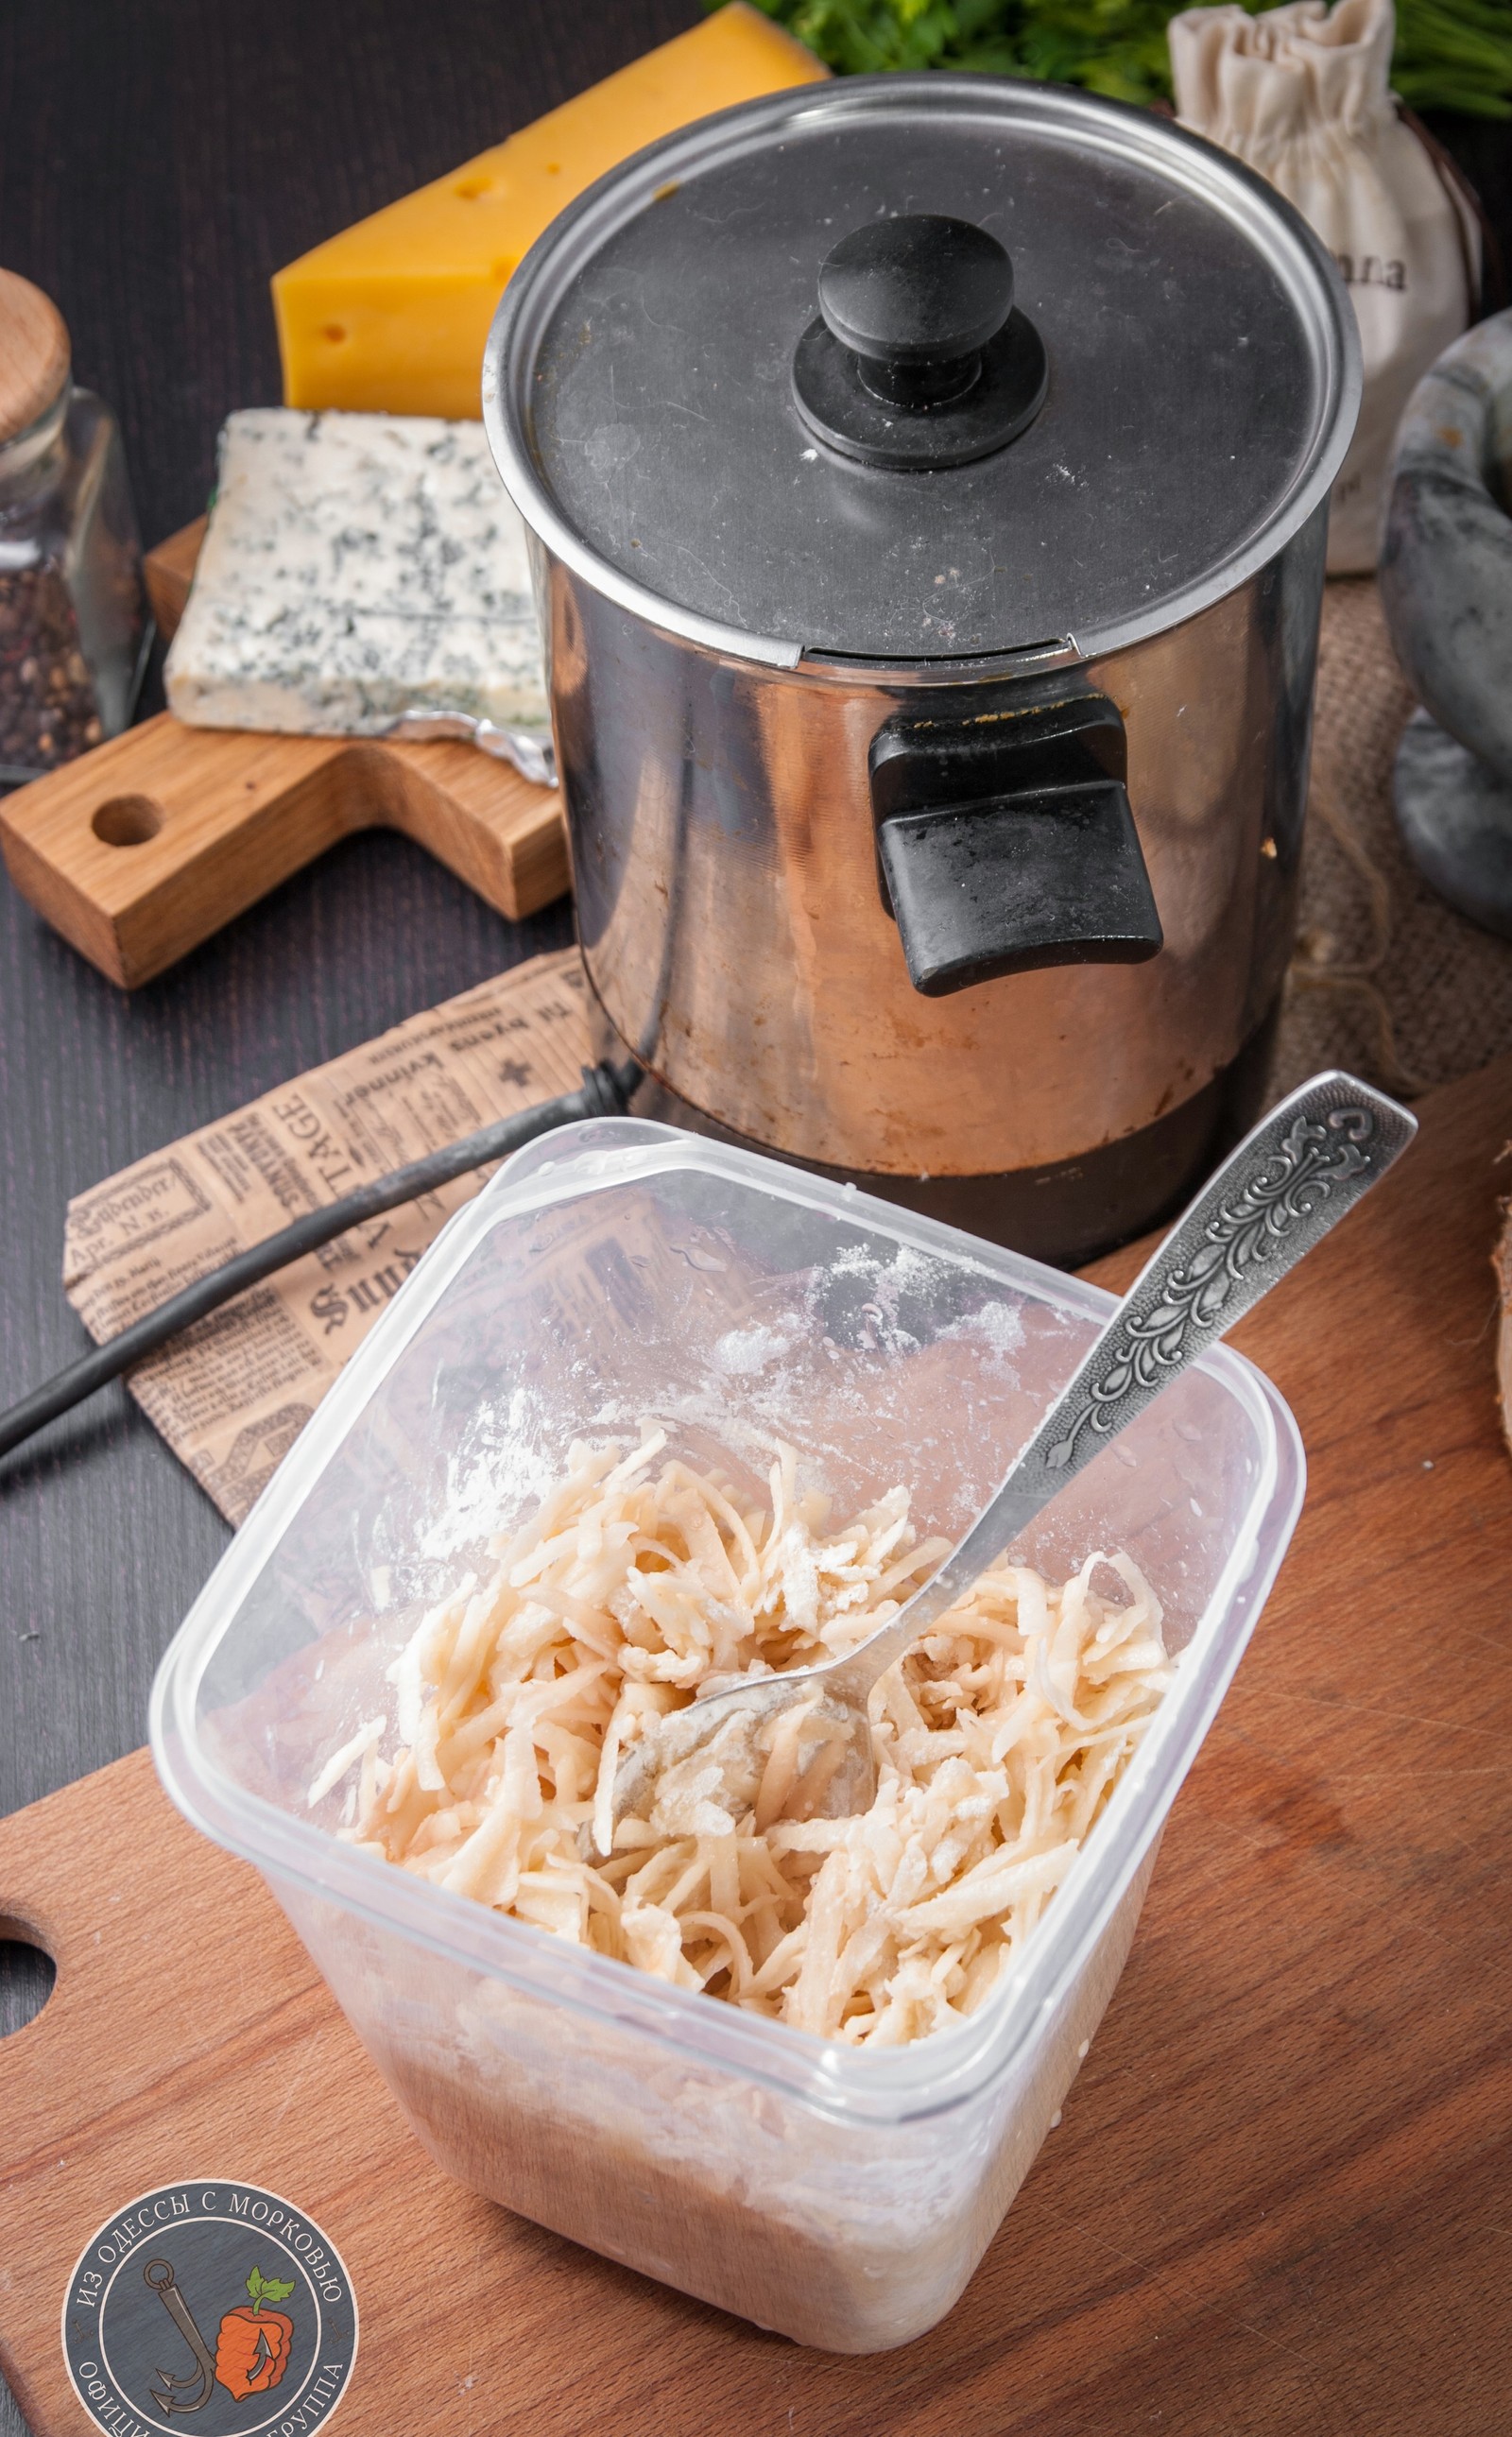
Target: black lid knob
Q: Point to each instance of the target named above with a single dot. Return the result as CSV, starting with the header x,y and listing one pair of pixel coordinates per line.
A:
x,y
916,300
921,359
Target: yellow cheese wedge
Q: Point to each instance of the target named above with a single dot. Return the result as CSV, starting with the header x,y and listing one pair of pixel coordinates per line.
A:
x,y
392,315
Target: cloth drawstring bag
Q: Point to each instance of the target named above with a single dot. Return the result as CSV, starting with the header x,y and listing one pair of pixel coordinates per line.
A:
x,y
1303,94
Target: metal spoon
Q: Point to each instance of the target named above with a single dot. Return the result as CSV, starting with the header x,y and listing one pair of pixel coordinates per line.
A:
x,y
1297,1175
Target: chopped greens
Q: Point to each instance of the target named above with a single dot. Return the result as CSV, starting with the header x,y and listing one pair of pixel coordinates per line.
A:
x,y
1449,55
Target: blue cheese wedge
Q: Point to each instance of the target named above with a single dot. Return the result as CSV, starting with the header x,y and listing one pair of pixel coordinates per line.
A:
x,y
358,569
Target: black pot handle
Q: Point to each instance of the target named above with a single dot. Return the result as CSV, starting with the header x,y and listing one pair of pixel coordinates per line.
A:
x,y
1006,843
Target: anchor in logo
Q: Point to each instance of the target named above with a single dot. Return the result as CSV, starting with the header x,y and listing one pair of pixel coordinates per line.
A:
x,y
180,2394
252,2342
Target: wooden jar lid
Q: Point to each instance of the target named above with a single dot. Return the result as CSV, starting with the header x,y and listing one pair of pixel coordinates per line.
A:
x,y
33,354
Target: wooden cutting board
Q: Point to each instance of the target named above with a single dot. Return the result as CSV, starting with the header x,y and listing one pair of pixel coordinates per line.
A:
x,y
1278,2204
142,849
169,571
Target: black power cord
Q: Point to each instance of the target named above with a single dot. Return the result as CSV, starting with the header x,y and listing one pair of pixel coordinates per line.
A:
x,y
604,1092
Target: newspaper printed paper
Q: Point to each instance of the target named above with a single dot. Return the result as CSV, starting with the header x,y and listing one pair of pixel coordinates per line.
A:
x,y
232,1395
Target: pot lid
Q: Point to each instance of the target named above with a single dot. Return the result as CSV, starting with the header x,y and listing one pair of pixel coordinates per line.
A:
x,y
921,368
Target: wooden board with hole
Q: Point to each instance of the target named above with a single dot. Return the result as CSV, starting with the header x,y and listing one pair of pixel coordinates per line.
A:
x,y
169,571
1277,2204
142,849
229,815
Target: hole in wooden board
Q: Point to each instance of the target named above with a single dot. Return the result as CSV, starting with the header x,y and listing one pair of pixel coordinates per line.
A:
x,y
28,1972
127,820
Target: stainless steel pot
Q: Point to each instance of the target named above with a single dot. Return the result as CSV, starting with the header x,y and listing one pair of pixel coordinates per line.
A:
x,y
930,480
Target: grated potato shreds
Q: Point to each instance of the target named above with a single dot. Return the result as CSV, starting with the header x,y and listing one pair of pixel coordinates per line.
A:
x,y
1000,1738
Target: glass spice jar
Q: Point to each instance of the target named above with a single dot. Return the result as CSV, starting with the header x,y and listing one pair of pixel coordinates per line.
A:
x,y
74,629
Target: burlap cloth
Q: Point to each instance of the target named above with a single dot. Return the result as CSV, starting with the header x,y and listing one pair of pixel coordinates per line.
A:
x,y
1386,980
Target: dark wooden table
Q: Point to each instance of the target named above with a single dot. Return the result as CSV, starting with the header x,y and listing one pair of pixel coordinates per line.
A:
x,y
157,163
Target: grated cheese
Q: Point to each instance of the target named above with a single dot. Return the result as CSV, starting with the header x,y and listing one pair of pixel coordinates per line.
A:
x,y
1000,1738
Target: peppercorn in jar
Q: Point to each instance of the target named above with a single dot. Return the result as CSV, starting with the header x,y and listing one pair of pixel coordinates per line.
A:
x,y
73,623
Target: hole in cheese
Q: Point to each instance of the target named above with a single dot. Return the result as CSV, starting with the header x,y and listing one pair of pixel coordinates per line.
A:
x,y
334,332
470,189
127,820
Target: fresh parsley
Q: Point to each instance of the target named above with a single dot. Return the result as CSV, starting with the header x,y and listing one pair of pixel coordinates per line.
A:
x,y
1449,55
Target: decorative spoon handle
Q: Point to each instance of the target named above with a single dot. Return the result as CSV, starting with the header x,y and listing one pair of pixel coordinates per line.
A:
x,y
1299,1173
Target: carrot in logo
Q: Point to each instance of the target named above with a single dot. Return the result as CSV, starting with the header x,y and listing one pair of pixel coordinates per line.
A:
x,y
252,2345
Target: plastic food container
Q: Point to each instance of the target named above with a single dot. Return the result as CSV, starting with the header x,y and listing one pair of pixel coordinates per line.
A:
x,y
619,1270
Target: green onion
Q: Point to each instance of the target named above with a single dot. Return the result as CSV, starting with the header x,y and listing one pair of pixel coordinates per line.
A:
x,y
1450,54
